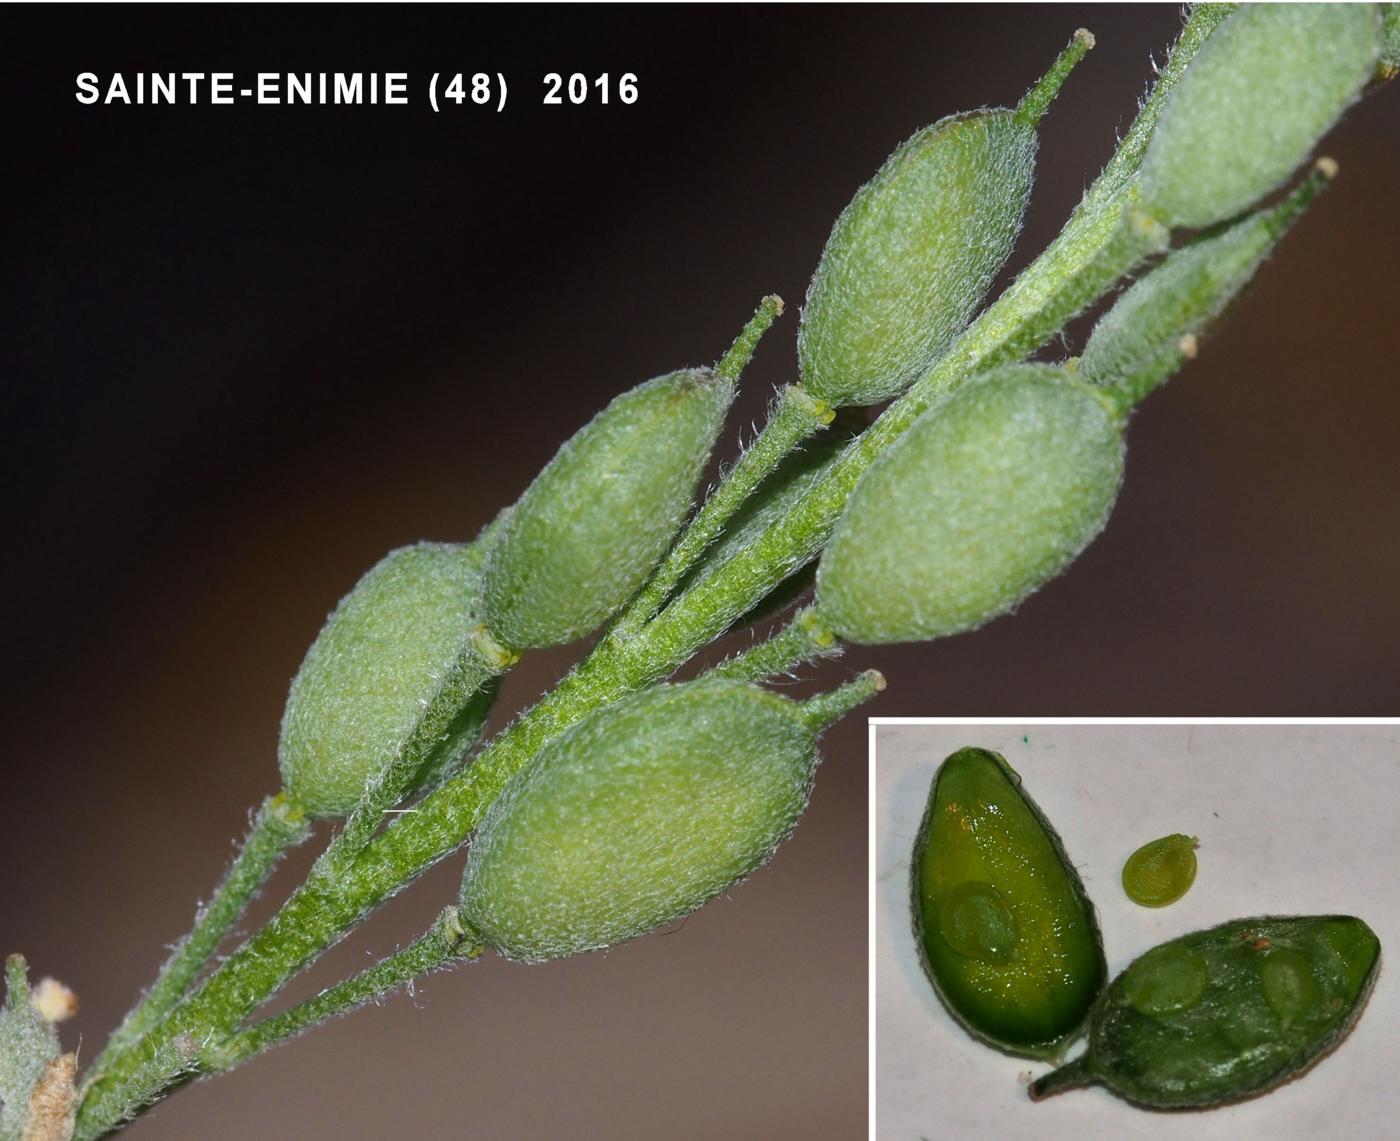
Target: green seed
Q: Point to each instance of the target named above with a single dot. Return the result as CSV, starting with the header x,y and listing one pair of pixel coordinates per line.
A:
x,y
1159,321
910,259
595,522
636,816
1266,86
1165,980
976,921
1279,993
1007,936
1161,871
1290,988
382,657
990,494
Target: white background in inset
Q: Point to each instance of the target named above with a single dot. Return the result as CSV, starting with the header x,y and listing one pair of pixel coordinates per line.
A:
x,y
1292,819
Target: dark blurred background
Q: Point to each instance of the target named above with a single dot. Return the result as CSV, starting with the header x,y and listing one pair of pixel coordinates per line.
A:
x,y
246,350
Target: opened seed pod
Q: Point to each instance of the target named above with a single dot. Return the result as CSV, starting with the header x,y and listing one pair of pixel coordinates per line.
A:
x,y
1226,1013
1005,931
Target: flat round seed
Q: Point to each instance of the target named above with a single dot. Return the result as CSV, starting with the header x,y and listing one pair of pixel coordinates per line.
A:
x,y
1161,871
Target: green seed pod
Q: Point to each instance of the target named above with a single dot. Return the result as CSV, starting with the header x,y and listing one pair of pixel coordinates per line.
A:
x,y
1005,931
913,255
1158,322
1266,86
598,518
1161,871
991,493
382,657
636,816
1227,1013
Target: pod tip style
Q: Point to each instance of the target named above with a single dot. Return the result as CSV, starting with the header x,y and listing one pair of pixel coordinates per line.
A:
x,y
1037,100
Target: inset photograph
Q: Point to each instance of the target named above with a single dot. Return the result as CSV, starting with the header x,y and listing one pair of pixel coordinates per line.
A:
x,y
1115,930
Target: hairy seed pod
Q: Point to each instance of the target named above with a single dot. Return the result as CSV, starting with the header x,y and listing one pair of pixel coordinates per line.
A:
x,y
910,259
379,661
636,816
1267,85
1224,1014
991,493
598,518
1005,931
1159,320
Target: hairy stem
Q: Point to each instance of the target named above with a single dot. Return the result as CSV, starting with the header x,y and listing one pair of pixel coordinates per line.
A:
x,y
443,945
795,417
803,639
278,826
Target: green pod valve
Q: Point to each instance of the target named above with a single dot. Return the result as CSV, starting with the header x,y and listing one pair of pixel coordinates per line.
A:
x,y
381,659
1005,931
637,815
595,522
1227,1013
1266,86
910,259
991,493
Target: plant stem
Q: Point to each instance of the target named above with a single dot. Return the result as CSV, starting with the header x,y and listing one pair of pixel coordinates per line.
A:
x,y
278,826
1072,1075
439,947
163,1067
733,363
804,638
795,417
